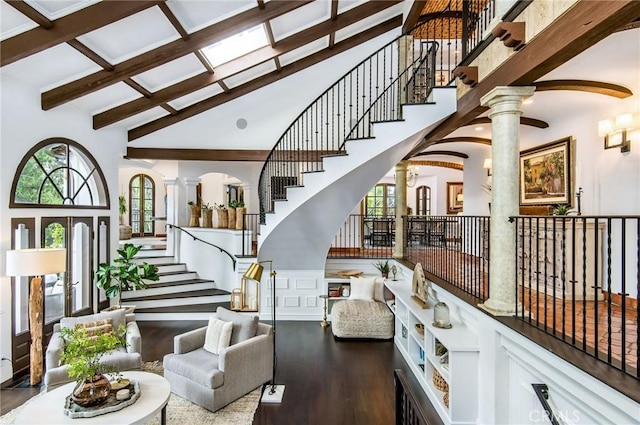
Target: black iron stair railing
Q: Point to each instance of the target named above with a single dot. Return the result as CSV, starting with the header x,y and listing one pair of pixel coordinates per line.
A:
x,y
405,70
195,238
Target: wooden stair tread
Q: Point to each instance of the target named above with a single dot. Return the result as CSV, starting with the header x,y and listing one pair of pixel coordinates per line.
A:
x,y
192,308
185,294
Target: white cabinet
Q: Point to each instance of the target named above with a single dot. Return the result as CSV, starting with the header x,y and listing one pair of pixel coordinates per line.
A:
x,y
424,351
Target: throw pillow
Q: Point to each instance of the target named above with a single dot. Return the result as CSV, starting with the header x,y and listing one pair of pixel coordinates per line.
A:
x,y
95,328
244,327
378,290
218,335
118,318
362,288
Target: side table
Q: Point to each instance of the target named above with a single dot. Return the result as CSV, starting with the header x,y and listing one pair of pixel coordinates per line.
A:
x,y
324,322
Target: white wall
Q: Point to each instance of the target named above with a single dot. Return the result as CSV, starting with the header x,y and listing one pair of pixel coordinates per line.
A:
x,y
24,124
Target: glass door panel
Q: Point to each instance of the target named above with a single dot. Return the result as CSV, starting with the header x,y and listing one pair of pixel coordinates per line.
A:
x,y
54,234
81,270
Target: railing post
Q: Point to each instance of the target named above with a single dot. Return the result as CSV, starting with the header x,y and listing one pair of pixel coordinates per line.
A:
x,y
505,104
172,214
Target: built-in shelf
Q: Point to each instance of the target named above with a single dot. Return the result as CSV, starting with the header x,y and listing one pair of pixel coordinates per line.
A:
x,y
420,350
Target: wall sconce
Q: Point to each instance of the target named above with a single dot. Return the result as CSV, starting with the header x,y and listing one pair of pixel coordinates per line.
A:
x,y
487,165
615,133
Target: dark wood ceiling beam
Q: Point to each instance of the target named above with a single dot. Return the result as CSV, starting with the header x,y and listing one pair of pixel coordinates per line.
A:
x,y
169,109
204,61
414,15
224,86
68,27
240,64
267,79
579,28
480,140
447,153
334,9
597,87
170,51
531,122
198,154
174,21
137,87
90,54
443,164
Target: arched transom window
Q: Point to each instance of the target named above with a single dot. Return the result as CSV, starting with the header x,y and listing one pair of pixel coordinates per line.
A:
x,y
59,172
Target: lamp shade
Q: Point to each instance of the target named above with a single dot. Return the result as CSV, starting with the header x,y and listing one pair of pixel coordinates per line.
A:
x,y
487,163
605,127
624,122
254,272
36,262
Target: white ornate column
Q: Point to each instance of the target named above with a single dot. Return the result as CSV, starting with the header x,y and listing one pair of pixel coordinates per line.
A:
x,y
172,213
505,103
401,207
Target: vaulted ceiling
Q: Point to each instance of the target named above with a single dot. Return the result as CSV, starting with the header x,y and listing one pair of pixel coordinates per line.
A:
x,y
139,64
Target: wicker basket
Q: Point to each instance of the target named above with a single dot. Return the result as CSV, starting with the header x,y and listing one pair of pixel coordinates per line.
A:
x,y
445,398
439,383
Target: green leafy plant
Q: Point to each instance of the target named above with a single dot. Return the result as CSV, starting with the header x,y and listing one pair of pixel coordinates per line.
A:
x,y
383,267
125,275
562,209
122,205
220,206
236,204
206,206
82,352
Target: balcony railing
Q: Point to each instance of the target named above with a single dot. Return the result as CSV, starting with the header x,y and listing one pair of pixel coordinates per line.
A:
x,y
454,249
364,236
250,233
578,280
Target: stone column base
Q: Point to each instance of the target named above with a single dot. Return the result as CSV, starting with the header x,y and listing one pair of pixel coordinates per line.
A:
x,y
498,308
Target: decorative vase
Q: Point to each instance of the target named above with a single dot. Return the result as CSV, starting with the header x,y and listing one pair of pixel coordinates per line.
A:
x,y
207,218
194,220
125,232
232,218
240,212
89,393
223,219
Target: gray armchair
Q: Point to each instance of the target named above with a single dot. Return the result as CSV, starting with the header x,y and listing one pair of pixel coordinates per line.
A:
x,y
124,358
213,381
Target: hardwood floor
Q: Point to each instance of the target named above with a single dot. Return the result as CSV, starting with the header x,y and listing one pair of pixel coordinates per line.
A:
x,y
327,381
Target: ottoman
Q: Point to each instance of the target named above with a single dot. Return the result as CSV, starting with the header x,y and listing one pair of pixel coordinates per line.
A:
x,y
362,319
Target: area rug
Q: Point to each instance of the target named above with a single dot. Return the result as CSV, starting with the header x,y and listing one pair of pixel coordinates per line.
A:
x,y
181,411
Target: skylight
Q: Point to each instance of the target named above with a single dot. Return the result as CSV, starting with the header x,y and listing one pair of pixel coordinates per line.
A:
x,y
236,46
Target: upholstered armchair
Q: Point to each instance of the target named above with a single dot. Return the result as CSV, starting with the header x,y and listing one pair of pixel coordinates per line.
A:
x,y
124,358
212,380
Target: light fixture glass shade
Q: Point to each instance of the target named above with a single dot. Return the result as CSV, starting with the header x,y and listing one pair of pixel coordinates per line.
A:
x,y
605,127
254,272
487,163
624,122
36,262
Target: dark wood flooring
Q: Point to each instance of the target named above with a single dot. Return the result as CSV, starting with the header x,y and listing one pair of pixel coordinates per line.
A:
x,y
327,381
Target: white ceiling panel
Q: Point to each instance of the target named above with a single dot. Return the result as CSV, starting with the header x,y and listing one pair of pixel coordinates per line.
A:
x,y
301,18
304,51
106,98
62,63
250,74
196,96
365,24
54,9
344,5
195,15
13,22
131,36
143,118
170,73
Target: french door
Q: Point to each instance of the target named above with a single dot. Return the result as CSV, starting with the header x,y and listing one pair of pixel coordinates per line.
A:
x,y
141,202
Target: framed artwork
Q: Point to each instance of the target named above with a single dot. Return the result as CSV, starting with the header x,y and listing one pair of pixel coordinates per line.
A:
x,y
546,174
454,197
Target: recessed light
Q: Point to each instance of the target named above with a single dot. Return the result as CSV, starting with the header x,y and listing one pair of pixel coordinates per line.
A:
x,y
478,128
528,102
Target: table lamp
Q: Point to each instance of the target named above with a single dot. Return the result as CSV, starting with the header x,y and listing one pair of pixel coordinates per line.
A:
x,y
275,392
36,262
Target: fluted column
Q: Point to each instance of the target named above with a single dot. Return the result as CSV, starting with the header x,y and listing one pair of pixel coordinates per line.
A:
x,y
401,207
505,104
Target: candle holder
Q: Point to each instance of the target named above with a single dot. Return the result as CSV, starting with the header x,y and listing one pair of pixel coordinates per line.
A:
x,y
441,317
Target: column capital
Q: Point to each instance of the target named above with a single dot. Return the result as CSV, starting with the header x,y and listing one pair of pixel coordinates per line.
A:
x,y
402,165
170,182
507,94
191,182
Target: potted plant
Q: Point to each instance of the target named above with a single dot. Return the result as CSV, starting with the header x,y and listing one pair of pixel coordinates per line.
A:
x,y
232,214
194,218
383,267
82,353
240,212
125,230
563,209
207,215
223,217
125,275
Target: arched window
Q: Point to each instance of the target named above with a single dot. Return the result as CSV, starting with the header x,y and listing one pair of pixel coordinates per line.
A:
x,y
142,202
59,172
381,200
423,200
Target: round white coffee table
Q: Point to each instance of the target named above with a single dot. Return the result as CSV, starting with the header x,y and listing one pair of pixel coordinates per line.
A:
x,y
48,408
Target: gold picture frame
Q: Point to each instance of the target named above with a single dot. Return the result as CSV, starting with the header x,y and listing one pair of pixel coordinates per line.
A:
x,y
546,174
454,197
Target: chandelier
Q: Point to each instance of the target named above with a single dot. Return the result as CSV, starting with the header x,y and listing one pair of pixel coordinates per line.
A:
x,y
412,175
